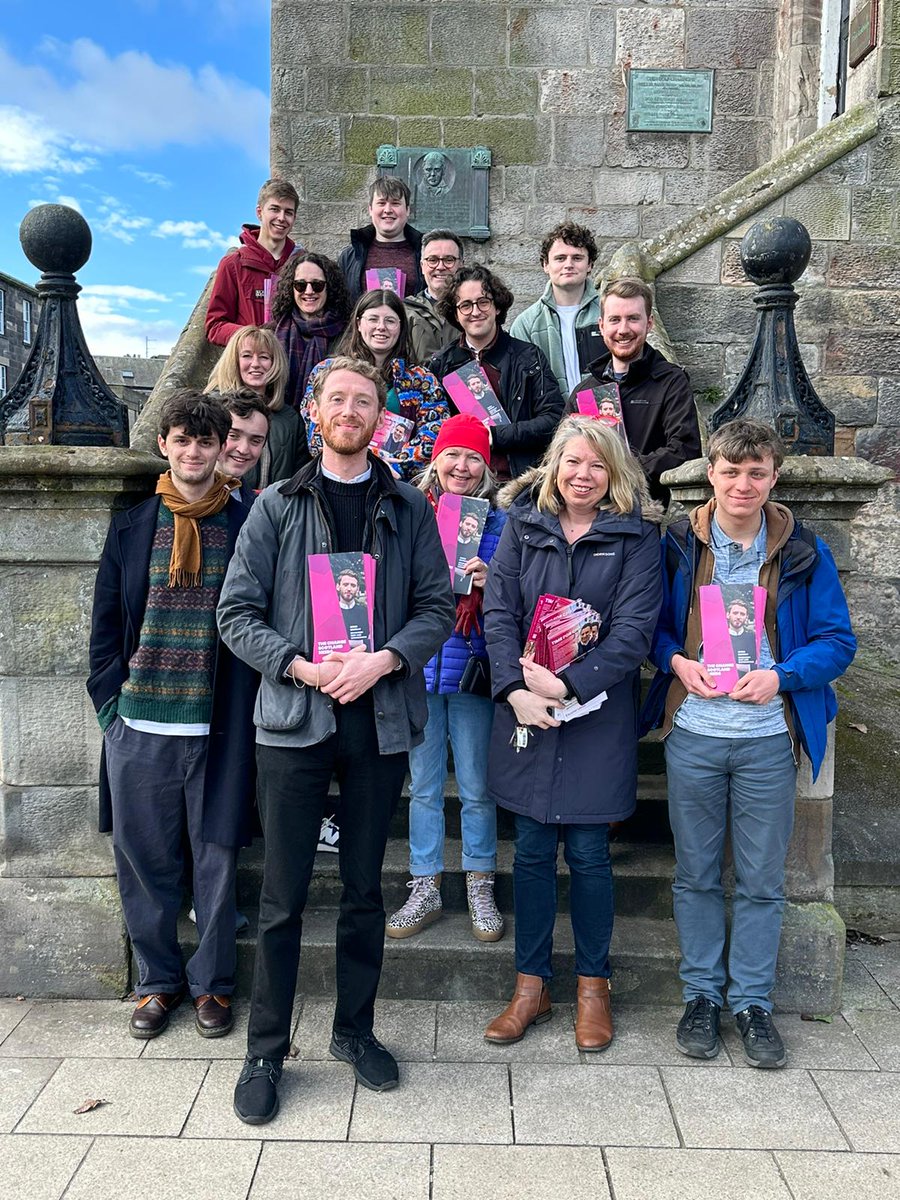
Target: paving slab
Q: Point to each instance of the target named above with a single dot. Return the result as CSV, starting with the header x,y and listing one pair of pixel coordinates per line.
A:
x,y
315,1098
406,1027
575,1106
639,1174
518,1173
75,1028
860,1176
11,1013
147,1099
645,1036
166,1169
48,1163
460,1036
752,1110
866,1106
437,1102
181,1040
883,964
824,1045
861,989
880,1034
341,1171
20,1082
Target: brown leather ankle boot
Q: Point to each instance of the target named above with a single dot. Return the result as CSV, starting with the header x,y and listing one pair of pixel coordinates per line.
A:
x,y
530,1005
593,1020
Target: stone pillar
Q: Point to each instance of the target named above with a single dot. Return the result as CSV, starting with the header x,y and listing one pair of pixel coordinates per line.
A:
x,y
824,493
61,929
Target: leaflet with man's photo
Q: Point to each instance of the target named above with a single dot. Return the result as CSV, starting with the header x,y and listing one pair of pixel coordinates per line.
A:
x,y
389,279
341,590
461,521
393,432
603,402
470,390
731,625
561,632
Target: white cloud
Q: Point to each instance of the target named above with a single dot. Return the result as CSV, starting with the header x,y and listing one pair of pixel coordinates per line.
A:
x,y
125,102
110,330
151,177
124,291
195,235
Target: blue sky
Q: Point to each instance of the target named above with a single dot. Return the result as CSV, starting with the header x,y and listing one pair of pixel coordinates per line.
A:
x,y
149,116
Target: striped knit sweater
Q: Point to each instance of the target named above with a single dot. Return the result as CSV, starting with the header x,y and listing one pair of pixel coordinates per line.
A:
x,y
171,672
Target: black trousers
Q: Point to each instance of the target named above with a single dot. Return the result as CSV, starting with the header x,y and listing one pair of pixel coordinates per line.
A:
x,y
293,785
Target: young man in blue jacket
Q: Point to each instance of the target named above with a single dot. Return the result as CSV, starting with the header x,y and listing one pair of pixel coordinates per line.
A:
x,y
740,751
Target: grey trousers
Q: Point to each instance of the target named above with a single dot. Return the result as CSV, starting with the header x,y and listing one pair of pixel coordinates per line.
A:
x,y
157,788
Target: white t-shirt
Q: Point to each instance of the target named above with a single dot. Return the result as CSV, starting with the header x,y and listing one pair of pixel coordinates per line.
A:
x,y
567,315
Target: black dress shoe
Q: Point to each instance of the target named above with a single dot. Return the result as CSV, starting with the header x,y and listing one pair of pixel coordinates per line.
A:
x,y
373,1065
256,1092
151,1014
213,1015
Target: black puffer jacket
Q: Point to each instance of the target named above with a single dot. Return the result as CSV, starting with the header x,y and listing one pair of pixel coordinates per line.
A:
x,y
529,394
352,261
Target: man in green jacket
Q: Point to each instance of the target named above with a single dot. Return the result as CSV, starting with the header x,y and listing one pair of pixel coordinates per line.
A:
x,y
563,323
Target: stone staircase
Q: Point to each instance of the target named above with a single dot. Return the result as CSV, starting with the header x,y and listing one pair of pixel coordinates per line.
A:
x,y
445,962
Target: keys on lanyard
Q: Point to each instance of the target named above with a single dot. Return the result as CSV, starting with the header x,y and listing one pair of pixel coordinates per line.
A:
x,y
520,737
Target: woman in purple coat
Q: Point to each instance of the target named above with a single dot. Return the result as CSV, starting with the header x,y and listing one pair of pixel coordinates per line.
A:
x,y
580,526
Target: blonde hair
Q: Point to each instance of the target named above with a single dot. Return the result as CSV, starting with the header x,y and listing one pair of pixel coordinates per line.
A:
x,y
428,481
627,482
226,374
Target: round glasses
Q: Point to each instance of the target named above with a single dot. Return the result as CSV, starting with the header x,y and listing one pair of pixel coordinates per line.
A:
x,y
445,260
387,322
316,286
483,304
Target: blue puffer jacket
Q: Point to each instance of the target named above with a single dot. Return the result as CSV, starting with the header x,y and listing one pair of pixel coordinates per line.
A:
x,y
444,671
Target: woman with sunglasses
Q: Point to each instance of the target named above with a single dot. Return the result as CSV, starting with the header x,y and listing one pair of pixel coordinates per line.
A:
x,y
476,303
377,333
309,313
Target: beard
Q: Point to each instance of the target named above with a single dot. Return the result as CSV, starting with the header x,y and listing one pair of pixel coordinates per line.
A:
x,y
347,441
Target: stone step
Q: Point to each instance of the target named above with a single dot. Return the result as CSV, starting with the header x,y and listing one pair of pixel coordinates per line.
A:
x,y
642,875
445,962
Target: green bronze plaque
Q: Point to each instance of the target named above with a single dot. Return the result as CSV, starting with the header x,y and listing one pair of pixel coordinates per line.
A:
x,y
670,101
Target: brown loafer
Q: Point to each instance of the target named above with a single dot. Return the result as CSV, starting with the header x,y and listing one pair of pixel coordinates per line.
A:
x,y
151,1014
593,1019
214,1015
530,1005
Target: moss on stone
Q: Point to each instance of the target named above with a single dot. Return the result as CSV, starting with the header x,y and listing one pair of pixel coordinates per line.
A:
x,y
364,135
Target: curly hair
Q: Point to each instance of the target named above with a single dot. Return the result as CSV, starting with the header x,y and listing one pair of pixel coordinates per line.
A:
x,y
337,301
226,374
352,343
570,234
492,286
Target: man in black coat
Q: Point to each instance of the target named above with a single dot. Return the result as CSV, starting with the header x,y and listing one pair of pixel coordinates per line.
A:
x,y
387,242
175,707
657,401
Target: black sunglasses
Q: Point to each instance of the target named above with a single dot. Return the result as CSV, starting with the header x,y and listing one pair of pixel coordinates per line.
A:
x,y
316,286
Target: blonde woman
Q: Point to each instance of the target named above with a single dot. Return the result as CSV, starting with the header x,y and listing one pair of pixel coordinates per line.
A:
x,y
253,358
579,526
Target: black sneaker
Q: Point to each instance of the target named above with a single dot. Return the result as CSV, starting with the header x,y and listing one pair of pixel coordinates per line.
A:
x,y
698,1030
373,1065
256,1092
763,1046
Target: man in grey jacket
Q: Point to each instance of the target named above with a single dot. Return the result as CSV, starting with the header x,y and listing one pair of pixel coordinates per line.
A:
x,y
355,714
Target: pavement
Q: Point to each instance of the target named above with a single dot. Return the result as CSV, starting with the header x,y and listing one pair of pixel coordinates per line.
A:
x,y
638,1122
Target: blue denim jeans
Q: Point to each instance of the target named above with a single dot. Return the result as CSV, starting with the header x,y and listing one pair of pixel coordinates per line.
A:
x,y
468,721
746,785
586,849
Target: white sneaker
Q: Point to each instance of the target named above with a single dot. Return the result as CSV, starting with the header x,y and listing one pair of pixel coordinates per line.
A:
x,y
328,835
422,908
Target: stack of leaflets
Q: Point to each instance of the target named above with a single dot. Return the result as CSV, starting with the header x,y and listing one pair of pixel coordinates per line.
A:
x,y
461,522
732,617
561,632
470,390
341,590
389,279
604,404
393,433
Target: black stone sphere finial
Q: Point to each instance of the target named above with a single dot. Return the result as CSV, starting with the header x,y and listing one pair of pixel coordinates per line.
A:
x,y
60,398
774,386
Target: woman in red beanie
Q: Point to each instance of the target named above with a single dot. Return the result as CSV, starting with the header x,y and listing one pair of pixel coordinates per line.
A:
x,y
459,466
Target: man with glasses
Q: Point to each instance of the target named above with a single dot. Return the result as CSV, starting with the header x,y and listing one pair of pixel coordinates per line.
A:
x,y
429,332
388,241
475,304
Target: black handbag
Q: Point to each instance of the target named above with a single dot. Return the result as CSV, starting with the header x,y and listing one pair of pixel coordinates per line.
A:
x,y
476,678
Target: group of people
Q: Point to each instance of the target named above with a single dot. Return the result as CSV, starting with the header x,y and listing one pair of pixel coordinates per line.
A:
x,y
216,715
